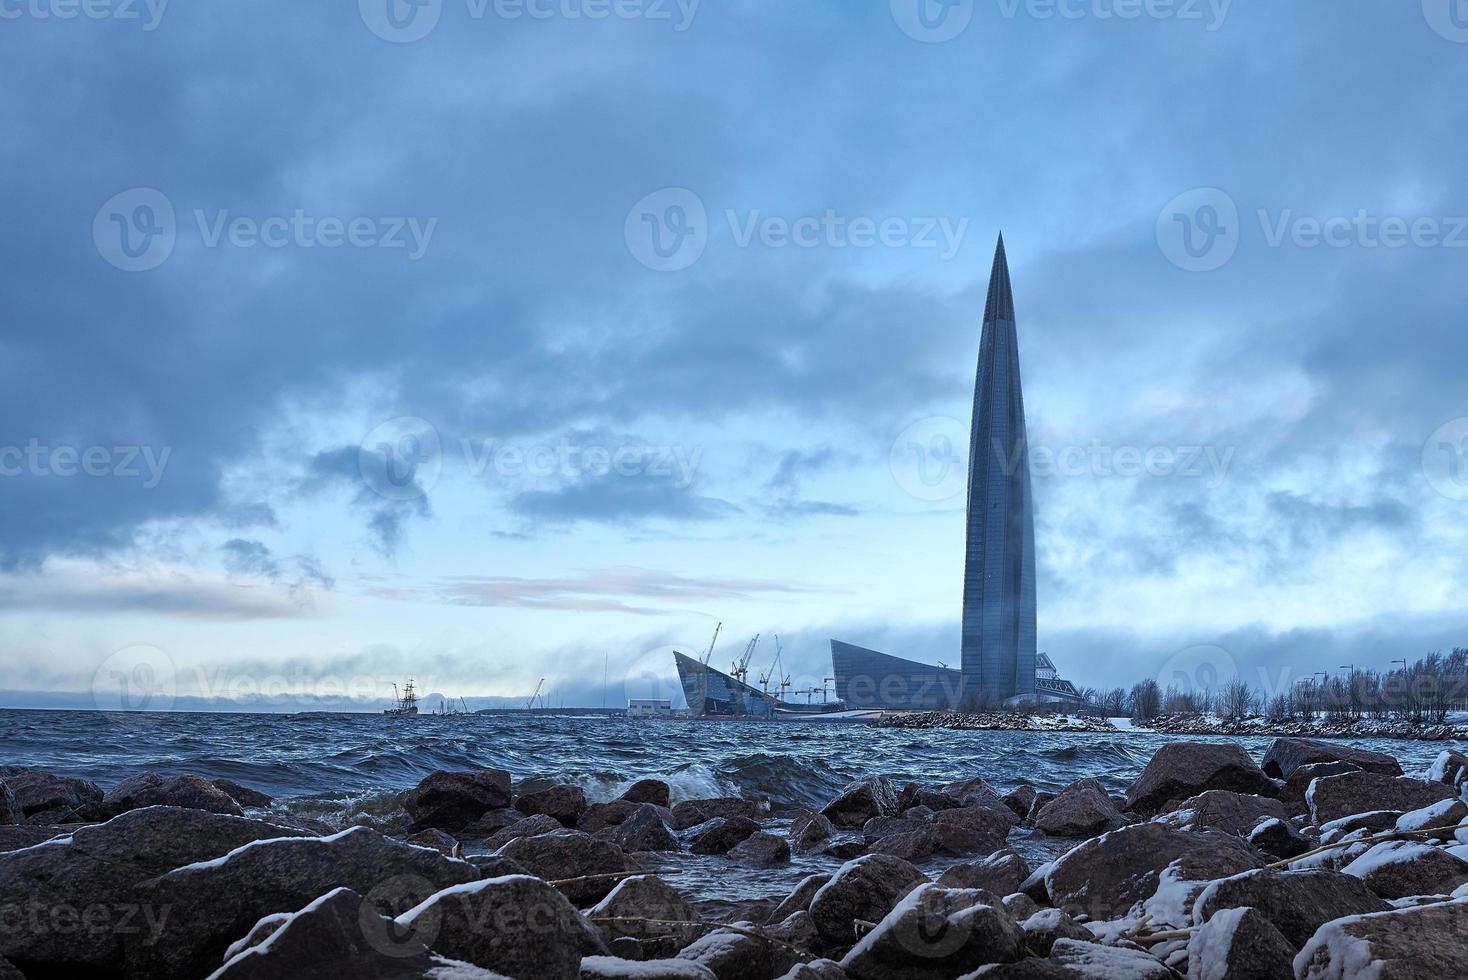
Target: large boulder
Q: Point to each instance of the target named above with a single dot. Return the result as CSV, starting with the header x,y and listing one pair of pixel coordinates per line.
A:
x,y
96,870
627,910
1072,959
1438,821
571,856
936,933
1397,869
1296,902
46,798
721,834
871,796
243,795
337,935
1020,800
799,900
1107,876
975,791
1293,790
565,803
730,955
1402,944
991,822
1279,839
1082,809
225,896
1333,797
865,889
453,800
691,813
1180,770
1450,767
1239,944
1286,755
1001,873
1217,809
653,791
517,926
151,789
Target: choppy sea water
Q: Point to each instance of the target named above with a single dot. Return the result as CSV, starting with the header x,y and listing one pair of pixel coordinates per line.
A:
x,y
352,769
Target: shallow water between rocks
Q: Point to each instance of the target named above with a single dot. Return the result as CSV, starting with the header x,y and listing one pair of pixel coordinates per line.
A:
x,y
352,769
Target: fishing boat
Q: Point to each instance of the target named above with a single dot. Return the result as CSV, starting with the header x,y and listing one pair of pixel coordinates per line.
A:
x,y
407,702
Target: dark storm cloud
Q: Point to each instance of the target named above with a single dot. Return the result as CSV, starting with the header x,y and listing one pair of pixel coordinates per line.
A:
x,y
253,558
386,515
612,498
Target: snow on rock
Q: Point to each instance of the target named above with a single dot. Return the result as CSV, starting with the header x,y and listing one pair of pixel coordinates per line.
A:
x,y
1443,813
1403,944
1395,869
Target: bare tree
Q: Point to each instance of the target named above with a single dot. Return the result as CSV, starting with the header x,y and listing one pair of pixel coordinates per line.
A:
x,y
1146,700
1237,700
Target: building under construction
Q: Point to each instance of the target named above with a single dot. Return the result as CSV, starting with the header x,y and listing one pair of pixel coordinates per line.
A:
x,y
714,694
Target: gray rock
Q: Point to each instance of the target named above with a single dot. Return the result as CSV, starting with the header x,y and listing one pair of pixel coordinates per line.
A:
x,y
226,896
1333,797
524,827
243,795
1001,873
811,831
1233,813
611,968
953,839
438,840
1019,906
1435,818
1105,877
975,792
721,834
1373,821
491,822
799,900
517,926
732,955
569,854
1396,869
337,935
622,914
760,850
845,850
1288,754
565,803
913,795
1239,944
9,972
935,933
494,866
10,812
993,823
871,796
1020,800
1072,959
691,813
1044,926
816,970
1042,798
95,870
653,791
1296,902
1403,944
866,889
600,816
453,800
1292,792
1279,839
878,827
1180,770
15,836
643,830
1080,810
46,798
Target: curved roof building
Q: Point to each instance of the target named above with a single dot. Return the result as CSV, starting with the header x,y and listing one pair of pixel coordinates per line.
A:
x,y
997,658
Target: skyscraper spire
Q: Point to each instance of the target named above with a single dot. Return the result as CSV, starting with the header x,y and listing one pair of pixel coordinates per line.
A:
x,y
998,638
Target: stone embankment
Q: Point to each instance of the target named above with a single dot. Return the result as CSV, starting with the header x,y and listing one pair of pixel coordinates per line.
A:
x,y
1317,861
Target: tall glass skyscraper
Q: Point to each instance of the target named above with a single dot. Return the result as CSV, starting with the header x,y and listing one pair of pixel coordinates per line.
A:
x,y
998,646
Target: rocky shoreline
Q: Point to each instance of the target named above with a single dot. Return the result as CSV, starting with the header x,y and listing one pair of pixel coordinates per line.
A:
x,y
1323,728
1320,860
996,721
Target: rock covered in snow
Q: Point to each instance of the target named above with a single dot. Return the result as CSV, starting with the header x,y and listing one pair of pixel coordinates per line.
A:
x,y
1234,813
731,955
1044,926
1279,839
1425,941
1286,755
1180,770
1396,869
1296,902
1239,944
1443,813
866,889
1333,797
935,933
612,968
1072,959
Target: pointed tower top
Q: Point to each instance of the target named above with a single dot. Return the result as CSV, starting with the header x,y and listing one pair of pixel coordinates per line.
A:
x,y
1000,305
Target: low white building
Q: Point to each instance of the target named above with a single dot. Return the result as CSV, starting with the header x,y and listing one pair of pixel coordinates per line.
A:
x,y
649,708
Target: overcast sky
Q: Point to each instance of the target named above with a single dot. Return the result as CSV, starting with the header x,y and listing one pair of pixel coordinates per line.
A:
x,y
484,341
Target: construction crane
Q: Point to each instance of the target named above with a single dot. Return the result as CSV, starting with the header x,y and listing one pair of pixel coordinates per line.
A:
x,y
774,671
531,705
739,671
703,677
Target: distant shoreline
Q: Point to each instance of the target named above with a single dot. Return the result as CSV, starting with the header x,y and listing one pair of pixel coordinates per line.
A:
x,y
1186,725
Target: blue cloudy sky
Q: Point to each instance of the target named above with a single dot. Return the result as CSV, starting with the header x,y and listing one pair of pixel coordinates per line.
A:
x,y
487,340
